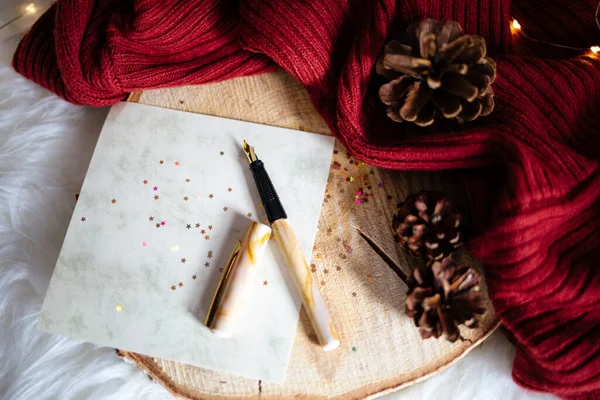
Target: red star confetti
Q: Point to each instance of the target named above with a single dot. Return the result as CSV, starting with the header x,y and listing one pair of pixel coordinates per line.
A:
x,y
155,188
145,244
180,284
194,277
203,231
249,215
83,219
145,181
156,197
173,287
177,163
114,201
163,223
183,260
265,283
151,218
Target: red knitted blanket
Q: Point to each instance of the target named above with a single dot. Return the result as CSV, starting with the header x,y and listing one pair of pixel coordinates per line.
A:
x,y
532,166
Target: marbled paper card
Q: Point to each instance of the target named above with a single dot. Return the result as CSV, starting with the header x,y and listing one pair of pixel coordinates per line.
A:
x,y
165,199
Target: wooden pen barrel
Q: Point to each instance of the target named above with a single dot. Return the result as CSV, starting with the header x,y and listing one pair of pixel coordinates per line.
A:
x,y
311,296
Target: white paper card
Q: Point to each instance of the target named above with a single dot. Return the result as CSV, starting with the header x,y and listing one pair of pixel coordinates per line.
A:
x,y
137,272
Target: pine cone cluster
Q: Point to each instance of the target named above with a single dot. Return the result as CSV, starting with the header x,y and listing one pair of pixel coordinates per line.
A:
x,y
428,225
436,72
441,296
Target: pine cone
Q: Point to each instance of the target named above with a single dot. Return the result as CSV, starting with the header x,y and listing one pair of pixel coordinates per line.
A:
x,y
442,296
428,225
437,72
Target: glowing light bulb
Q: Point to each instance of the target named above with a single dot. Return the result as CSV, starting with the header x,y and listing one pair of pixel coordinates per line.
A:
x,y
31,8
516,25
595,49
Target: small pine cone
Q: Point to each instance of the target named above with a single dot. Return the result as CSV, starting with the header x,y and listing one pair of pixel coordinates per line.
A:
x,y
442,296
428,225
436,72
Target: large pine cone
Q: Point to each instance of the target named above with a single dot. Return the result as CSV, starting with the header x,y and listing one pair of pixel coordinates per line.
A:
x,y
442,296
428,225
437,72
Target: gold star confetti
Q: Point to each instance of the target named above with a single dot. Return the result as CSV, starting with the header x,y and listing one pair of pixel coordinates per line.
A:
x,y
157,225
353,294
326,271
210,196
119,308
113,201
318,255
82,219
249,215
188,180
173,287
188,226
229,189
265,283
203,231
210,254
210,227
313,267
145,181
207,264
183,260
225,208
156,197
222,153
207,237
338,268
194,277
180,284
369,277
185,198
161,162
176,163
322,283
197,225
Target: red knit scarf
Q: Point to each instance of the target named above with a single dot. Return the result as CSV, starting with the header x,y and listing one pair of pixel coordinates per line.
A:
x,y
533,165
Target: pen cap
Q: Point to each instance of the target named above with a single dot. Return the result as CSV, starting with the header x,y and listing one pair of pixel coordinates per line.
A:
x,y
235,286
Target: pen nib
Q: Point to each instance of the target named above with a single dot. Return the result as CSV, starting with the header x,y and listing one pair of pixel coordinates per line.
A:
x,y
249,150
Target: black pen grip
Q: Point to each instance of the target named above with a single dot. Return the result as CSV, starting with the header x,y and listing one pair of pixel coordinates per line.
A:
x,y
267,192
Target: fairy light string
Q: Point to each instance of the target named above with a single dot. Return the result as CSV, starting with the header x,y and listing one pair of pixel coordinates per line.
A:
x,y
30,9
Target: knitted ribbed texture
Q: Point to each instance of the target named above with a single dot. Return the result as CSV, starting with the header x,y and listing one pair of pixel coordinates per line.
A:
x,y
534,163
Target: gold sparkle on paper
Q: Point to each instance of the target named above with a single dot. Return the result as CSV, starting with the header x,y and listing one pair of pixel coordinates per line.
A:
x,y
119,308
265,283
225,208
207,264
210,254
156,197
188,226
185,198
145,181
210,196
114,201
249,215
173,287
197,225
183,260
194,277
174,249
83,219
180,284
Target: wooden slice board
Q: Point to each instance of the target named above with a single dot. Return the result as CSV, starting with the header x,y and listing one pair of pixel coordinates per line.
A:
x,y
381,349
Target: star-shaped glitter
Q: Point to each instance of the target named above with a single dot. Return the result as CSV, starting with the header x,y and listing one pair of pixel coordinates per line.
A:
x,y
229,189
113,201
180,284
210,196
206,237
210,227
194,277
157,225
163,223
155,188
161,162
203,231
207,264
145,244
82,219
177,163
265,283
183,260
173,287
185,198
188,180
210,254
249,215
145,181
197,225
151,218
222,153
225,208
156,197
188,226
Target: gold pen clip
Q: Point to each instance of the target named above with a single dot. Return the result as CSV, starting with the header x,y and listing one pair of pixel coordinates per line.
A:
x,y
212,310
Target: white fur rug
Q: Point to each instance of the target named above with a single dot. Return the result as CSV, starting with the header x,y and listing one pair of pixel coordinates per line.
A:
x,y
45,148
